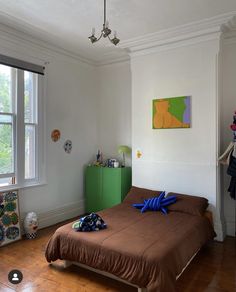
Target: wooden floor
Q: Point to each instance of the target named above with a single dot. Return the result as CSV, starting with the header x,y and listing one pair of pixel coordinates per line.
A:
x,y
214,269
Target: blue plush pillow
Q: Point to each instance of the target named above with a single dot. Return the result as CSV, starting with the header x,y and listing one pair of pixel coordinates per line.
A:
x,y
158,203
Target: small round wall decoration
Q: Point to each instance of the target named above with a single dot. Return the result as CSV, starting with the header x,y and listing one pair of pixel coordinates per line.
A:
x,y
68,146
14,218
10,207
55,135
9,197
12,232
6,220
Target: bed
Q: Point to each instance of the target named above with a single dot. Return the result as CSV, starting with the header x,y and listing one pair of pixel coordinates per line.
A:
x,y
148,250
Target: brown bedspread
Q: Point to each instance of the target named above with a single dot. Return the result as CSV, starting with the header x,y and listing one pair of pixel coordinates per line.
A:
x,y
148,250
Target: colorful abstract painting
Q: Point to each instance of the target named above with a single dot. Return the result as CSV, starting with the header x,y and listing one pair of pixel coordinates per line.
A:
x,y
173,112
9,218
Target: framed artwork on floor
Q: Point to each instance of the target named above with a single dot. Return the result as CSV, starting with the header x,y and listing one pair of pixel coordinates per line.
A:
x,y
9,218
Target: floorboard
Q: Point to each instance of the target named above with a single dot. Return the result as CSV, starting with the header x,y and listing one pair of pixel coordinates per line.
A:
x,y
212,270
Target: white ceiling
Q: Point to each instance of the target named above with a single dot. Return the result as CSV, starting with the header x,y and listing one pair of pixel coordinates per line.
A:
x,y
68,23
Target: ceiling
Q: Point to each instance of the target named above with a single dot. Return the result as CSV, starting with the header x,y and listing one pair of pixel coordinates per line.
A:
x,y
68,23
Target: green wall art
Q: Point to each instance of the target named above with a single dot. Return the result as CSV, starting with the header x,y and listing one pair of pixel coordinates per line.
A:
x,y
9,218
172,112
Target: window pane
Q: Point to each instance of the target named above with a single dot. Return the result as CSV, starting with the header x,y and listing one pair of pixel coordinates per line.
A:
x,y
6,149
30,97
5,118
6,181
6,87
29,151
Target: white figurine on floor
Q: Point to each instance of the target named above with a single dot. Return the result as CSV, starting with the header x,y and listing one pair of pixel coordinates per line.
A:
x,y
31,225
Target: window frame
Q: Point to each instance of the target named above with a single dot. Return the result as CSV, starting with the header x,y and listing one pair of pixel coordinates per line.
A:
x,y
19,124
13,124
34,123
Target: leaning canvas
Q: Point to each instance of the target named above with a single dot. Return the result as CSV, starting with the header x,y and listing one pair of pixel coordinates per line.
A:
x,y
173,112
9,218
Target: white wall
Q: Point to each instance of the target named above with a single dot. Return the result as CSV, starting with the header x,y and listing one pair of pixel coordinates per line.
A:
x,y
71,107
114,88
89,105
228,108
179,160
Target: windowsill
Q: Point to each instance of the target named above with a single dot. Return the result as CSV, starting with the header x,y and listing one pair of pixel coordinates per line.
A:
x,y
23,186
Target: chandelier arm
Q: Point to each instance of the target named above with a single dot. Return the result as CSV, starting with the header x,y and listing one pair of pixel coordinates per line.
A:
x,y
99,37
104,13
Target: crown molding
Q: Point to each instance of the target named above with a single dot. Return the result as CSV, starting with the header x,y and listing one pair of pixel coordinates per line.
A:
x,y
176,44
17,37
229,36
230,24
9,30
190,33
113,58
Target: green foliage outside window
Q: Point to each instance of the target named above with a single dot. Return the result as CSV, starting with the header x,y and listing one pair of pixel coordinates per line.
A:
x,y
5,130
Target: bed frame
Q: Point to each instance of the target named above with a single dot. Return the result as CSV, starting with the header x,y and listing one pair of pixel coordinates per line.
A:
x,y
109,275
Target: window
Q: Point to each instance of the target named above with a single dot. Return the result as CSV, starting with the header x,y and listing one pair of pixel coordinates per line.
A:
x,y
21,124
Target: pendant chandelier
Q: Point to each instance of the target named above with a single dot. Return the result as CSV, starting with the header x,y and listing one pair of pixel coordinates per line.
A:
x,y
105,32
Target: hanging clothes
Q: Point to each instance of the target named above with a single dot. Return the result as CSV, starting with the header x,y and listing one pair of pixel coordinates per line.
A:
x,y
232,172
232,188
230,150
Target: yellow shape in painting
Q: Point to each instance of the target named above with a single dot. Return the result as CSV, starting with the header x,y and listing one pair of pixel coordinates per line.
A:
x,y
163,118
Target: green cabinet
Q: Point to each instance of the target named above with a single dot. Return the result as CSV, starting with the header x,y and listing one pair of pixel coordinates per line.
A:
x,y
105,187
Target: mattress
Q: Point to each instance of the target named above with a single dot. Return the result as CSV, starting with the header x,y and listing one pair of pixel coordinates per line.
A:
x,y
148,250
